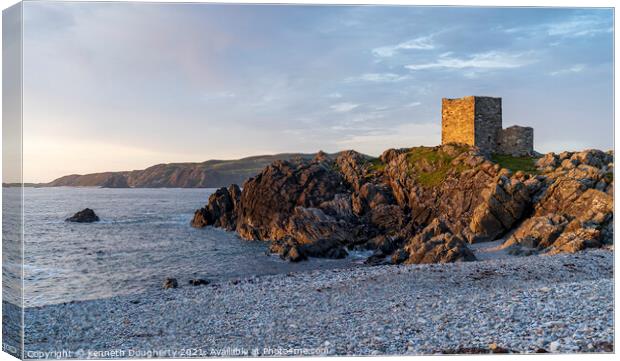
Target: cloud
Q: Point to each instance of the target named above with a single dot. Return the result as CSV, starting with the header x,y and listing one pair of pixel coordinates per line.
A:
x,y
343,107
579,26
218,95
414,104
334,95
577,68
421,43
378,77
576,26
487,60
400,136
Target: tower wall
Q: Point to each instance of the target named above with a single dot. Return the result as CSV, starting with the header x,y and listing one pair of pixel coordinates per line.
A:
x,y
488,123
517,141
457,120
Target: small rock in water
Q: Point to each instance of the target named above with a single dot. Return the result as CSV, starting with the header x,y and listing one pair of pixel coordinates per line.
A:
x,y
86,215
170,283
198,282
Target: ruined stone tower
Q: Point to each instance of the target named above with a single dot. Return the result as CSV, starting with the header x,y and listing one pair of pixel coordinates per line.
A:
x,y
477,121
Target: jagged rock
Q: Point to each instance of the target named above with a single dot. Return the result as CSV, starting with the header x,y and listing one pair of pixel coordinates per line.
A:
x,y
582,223
352,165
434,244
540,231
320,156
389,219
502,206
290,249
170,283
548,160
269,199
592,157
308,225
454,179
370,196
383,244
198,282
324,248
86,215
220,211
419,204
592,209
559,196
573,241
339,207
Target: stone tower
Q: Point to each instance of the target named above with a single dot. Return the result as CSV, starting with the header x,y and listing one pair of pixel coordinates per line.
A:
x,y
472,120
477,121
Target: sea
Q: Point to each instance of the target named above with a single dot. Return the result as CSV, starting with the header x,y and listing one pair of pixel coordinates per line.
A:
x,y
144,236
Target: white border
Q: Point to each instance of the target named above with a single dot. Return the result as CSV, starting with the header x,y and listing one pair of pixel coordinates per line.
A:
x,y
488,3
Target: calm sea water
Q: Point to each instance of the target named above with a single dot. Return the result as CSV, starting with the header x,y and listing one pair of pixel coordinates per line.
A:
x,y
144,236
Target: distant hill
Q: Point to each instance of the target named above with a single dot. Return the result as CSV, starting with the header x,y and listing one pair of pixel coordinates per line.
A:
x,y
209,174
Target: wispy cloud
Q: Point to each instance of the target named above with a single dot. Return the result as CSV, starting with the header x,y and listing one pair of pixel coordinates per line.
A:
x,y
580,26
375,141
421,43
343,107
378,77
576,26
334,95
218,95
487,60
577,68
414,104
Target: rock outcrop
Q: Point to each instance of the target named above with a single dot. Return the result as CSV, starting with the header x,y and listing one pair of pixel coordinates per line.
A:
x,y
420,205
434,244
574,204
220,211
86,215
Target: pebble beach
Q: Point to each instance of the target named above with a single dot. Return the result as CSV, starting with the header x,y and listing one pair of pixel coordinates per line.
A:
x,y
561,303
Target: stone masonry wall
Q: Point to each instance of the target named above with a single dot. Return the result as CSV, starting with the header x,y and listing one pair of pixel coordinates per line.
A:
x,y
488,123
517,141
477,121
457,117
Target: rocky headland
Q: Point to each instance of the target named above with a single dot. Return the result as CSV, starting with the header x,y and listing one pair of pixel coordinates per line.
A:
x,y
421,205
210,174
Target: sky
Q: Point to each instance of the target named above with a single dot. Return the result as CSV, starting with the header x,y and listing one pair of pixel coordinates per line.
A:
x,y
121,86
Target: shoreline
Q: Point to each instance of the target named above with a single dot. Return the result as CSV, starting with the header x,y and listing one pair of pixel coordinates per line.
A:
x,y
559,303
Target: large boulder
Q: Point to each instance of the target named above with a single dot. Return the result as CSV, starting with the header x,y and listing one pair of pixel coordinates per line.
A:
x,y
559,196
221,209
573,241
434,244
446,181
371,195
290,249
502,206
270,199
308,225
584,222
539,231
86,215
389,219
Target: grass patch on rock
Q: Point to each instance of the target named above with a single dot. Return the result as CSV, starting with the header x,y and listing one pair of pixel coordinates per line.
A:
x,y
376,165
515,164
430,165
